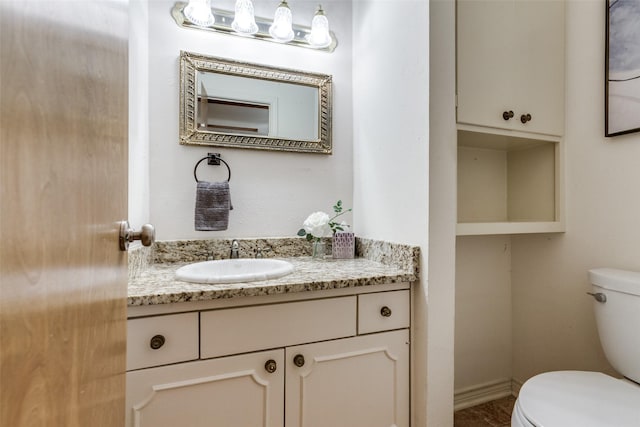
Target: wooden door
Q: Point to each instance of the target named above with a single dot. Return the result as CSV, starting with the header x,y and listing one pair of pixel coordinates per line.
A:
x,y
353,382
63,187
235,391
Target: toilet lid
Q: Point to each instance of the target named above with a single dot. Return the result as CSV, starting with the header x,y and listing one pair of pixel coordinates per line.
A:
x,y
578,398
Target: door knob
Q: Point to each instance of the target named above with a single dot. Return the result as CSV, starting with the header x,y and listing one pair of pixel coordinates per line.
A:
x,y
146,235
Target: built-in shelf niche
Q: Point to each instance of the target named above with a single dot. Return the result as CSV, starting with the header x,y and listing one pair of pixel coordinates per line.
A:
x,y
508,184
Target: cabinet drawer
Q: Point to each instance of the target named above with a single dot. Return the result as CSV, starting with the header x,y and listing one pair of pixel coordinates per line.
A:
x,y
240,330
175,336
383,311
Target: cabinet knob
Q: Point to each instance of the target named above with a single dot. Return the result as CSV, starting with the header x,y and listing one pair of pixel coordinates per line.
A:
x,y
525,118
385,311
157,341
270,366
298,360
507,115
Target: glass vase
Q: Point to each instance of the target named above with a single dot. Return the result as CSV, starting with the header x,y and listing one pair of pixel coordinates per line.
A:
x,y
318,249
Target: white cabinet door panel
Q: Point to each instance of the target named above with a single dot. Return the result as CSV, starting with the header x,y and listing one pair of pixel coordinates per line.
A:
x,y
510,57
354,382
539,62
227,392
485,67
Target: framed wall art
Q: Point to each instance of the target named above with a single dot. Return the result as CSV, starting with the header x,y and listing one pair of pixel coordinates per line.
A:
x,y
622,69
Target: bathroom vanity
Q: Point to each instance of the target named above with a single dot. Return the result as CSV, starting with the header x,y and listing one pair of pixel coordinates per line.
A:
x,y
328,344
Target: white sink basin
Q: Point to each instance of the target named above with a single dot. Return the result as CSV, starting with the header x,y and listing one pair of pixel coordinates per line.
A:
x,y
234,270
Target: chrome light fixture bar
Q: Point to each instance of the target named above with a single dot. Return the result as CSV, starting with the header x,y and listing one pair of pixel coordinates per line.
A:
x,y
223,20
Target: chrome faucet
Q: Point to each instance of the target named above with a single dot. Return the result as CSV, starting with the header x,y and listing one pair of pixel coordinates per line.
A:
x,y
234,249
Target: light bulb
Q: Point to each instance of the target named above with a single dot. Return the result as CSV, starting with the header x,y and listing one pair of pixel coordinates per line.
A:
x,y
319,36
244,21
281,29
199,12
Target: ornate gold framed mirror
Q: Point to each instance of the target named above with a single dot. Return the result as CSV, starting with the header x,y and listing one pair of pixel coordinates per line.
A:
x,y
227,103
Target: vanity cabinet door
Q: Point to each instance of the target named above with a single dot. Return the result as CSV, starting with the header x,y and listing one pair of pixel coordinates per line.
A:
x,y
510,58
244,390
354,382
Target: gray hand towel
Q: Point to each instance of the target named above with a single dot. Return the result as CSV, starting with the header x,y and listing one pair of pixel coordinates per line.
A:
x,y
213,203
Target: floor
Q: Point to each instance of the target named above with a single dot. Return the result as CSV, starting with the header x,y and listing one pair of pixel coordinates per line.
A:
x,y
496,413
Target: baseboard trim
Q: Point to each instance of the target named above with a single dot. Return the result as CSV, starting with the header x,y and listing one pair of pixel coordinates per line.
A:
x,y
475,395
515,387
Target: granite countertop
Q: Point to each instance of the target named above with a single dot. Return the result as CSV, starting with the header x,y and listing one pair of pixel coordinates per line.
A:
x,y
377,263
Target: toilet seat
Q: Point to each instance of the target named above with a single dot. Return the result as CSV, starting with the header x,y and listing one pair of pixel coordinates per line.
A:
x,y
517,417
579,398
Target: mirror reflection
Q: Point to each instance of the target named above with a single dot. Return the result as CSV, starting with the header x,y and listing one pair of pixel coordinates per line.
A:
x,y
229,103
249,106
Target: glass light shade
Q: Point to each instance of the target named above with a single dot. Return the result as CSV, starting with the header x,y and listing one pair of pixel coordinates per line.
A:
x,y
281,29
244,21
319,36
199,12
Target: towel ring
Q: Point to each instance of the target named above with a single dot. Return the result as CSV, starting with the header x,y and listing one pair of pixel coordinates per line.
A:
x,y
214,160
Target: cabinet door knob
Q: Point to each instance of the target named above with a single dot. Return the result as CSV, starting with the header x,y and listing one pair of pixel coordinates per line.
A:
x,y
271,366
157,341
507,115
385,311
525,118
298,360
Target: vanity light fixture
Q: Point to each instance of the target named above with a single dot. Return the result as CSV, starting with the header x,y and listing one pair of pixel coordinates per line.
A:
x,y
281,29
319,36
244,21
197,14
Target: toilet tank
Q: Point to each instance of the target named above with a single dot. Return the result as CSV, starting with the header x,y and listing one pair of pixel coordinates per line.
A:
x,y
618,318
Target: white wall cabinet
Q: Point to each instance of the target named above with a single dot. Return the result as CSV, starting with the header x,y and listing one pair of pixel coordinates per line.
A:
x,y
510,113
334,376
510,64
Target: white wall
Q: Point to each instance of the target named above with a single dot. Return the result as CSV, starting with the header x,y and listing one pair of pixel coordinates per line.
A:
x,y
554,326
391,170
442,214
483,312
272,192
138,114
391,114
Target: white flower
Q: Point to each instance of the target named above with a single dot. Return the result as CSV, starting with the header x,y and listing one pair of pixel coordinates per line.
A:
x,y
317,224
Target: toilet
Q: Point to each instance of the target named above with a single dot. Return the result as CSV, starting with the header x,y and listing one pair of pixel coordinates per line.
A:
x,y
593,399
